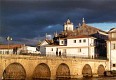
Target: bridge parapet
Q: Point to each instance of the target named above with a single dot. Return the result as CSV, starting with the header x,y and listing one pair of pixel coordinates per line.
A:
x,y
13,56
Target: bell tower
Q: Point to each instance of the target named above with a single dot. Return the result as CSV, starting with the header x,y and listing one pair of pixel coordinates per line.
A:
x,y
68,25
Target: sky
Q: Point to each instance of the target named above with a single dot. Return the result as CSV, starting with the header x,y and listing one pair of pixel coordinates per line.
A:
x,y
28,21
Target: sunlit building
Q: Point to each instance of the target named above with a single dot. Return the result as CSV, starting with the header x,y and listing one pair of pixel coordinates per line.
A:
x,y
83,41
111,49
11,49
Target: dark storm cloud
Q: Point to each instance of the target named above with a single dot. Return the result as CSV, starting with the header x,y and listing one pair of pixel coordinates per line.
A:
x,y
31,19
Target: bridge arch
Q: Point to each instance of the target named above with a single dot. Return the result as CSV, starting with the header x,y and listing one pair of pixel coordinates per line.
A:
x,y
101,70
87,71
14,71
63,71
42,71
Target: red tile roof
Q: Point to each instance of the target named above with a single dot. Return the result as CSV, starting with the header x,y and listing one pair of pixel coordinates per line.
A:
x,y
11,46
49,41
80,36
82,30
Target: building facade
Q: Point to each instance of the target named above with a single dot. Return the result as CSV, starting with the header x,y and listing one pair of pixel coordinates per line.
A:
x,y
30,50
111,49
80,46
84,41
11,49
18,49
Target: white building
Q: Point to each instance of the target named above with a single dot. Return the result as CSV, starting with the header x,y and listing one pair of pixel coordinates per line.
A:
x,y
69,43
30,49
11,49
111,49
79,46
18,49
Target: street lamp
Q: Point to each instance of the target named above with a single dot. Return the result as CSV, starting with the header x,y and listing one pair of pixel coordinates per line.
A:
x,y
8,39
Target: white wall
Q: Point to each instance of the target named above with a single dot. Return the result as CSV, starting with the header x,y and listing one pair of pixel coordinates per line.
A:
x,y
92,52
5,51
60,42
111,54
32,49
72,49
108,49
113,51
68,51
89,41
76,52
114,35
51,50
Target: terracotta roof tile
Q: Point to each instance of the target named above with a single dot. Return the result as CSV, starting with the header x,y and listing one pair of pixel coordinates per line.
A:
x,y
80,36
49,41
11,46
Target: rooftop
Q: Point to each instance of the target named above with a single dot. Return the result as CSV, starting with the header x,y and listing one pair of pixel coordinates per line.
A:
x,y
11,46
80,36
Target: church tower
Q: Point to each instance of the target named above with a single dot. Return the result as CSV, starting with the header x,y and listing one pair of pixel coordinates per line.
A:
x,y
68,25
83,22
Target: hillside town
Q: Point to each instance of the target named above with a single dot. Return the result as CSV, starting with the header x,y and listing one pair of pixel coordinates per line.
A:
x,y
84,41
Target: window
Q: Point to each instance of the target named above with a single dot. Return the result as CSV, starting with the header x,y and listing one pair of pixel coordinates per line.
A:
x,y
57,49
84,40
113,46
66,28
6,52
74,41
62,42
65,41
0,52
114,65
51,49
79,41
80,50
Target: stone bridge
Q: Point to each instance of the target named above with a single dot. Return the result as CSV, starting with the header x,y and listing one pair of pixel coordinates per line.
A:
x,y
36,67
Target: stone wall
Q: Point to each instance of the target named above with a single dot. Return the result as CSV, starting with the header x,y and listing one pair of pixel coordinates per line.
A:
x,y
29,63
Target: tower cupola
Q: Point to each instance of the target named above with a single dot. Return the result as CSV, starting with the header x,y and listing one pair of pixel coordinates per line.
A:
x,y
68,25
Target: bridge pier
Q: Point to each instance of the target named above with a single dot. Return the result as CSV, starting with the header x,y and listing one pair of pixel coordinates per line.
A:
x,y
53,72
29,68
